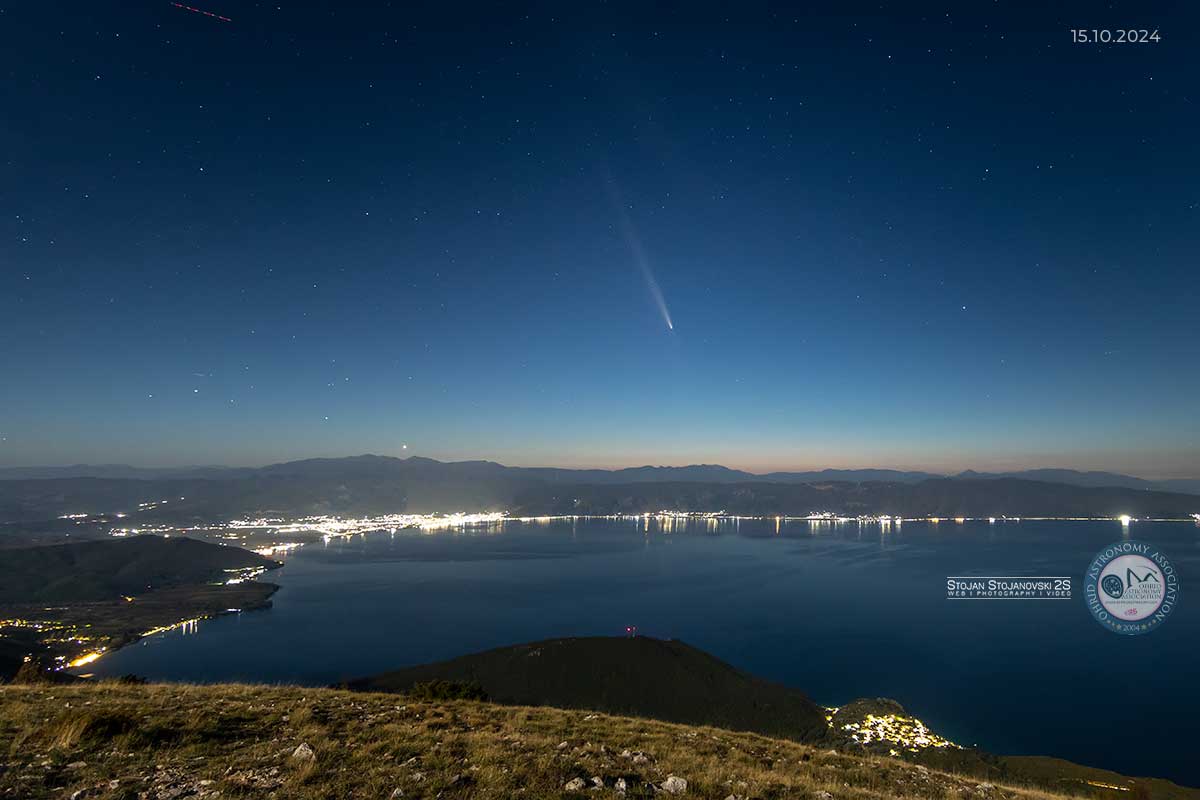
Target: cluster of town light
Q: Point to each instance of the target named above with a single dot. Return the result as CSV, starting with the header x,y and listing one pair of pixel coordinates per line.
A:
x,y
243,574
278,549
332,527
187,626
59,631
282,533
37,625
86,658
893,729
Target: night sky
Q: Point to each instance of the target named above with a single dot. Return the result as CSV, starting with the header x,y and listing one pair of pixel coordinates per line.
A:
x,y
600,234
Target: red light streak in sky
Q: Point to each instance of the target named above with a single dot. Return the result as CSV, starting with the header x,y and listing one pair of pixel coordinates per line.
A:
x,y
202,11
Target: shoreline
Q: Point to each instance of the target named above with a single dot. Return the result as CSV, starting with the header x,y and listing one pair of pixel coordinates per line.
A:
x,y
263,604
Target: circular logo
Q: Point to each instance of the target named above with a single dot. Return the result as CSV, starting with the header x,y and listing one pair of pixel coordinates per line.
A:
x,y
1131,587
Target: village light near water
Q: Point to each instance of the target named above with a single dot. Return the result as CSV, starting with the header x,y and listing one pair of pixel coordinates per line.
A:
x,y
86,659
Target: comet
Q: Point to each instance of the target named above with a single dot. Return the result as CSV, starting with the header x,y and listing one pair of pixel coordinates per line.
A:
x,y
634,242
202,11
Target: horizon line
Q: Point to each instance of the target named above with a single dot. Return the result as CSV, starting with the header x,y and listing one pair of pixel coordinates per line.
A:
x,y
931,472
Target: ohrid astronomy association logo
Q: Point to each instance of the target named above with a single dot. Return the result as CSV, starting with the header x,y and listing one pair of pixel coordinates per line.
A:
x,y
1131,587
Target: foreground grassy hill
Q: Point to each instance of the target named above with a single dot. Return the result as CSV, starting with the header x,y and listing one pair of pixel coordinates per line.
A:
x,y
109,741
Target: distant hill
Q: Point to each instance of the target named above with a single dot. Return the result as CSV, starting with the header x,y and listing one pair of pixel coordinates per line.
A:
x,y
665,680
378,484
1092,479
847,475
715,473
121,471
107,570
944,497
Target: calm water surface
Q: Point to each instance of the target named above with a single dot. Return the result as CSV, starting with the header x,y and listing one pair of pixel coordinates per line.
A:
x,y
840,611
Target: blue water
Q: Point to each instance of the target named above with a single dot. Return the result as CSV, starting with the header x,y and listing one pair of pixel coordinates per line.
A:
x,y
840,611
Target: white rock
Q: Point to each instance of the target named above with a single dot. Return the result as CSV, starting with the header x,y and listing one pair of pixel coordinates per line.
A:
x,y
620,785
597,781
397,793
575,785
674,785
304,753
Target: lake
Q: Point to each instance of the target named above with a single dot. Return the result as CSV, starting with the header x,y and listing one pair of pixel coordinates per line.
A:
x,y
839,610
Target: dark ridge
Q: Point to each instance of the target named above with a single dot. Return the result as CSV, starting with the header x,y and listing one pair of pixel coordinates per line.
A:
x,y
107,569
379,485
379,466
665,680
944,497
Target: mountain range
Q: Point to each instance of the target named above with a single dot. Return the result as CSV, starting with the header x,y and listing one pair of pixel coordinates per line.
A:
x,y
371,485
707,473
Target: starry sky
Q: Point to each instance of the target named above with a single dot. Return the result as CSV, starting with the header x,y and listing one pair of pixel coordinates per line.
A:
x,y
600,234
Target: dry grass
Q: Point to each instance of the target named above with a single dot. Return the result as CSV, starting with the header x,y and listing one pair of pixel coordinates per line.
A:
x,y
170,741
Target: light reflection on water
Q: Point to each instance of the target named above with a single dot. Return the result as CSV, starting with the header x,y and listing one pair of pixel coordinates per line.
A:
x,y
839,609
